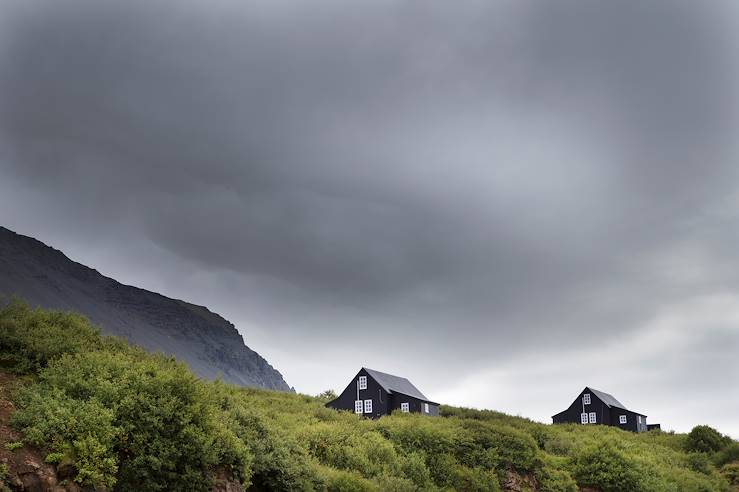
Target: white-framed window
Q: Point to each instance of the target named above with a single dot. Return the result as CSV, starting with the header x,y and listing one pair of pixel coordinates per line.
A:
x,y
583,418
358,406
363,382
622,419
639,418
586,399
367,406
591,416
405,407
426,408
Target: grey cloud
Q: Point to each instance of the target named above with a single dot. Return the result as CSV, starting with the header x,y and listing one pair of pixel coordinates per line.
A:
x,y
482,179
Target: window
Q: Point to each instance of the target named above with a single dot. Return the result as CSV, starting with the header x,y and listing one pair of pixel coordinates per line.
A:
x,y
586,399
583,418
367,406
426,407
639,417
363,382
592,417
358,406
622,419
404,407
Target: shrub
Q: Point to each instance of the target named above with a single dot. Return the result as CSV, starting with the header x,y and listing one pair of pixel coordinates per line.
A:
x,y
30,338
413,467
442,468
728,454
608,468
334,480
124,417
4,472
416,433
327,396
474,479
559,445
705,439
280,463
512,447
699,462
731,473
54,458
84,429
552,478
390,483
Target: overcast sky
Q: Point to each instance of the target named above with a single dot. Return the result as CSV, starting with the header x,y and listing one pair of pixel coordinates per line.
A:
x,y
502,201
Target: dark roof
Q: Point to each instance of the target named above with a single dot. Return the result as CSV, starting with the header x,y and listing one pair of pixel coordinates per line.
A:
x,y
607,398
396,384
610,400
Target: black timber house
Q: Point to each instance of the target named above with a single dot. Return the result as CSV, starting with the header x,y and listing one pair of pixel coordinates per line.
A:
x,y
374,394
597,407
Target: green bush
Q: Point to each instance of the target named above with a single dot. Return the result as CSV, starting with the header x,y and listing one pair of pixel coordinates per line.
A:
x,y
4,471
83,429
731,473
12,446
552,478
705,439
608,468
334,480
29,338
54,458
699,462
154,427
510,447
559,445
279,463
727,454
474,479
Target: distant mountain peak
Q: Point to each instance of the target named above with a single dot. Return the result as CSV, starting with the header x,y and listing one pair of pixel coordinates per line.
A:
x,y
211,345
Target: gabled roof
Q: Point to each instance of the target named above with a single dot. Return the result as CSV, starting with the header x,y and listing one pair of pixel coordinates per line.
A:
x,y
610,400
396,384
607,398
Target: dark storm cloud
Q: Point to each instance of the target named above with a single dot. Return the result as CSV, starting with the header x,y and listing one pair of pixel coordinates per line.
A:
x,y
470,178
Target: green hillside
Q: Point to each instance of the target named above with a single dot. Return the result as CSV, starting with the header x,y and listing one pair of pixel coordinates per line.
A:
x,y
115,417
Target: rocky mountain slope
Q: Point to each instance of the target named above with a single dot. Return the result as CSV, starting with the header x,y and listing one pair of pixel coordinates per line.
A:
x,y
210,344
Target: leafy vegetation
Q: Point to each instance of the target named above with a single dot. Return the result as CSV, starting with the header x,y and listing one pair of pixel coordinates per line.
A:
x,y
130,420
4,471
12,446
704,439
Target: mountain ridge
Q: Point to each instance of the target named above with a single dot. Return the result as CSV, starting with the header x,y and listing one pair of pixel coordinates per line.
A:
x,y
207,342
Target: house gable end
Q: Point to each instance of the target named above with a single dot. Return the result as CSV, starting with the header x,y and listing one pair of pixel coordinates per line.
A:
x,y
374,392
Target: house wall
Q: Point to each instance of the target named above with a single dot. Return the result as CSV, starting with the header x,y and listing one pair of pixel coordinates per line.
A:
x,y
374,392
414,404
632,420
572,414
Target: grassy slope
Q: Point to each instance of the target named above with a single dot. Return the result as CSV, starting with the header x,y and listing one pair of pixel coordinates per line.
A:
x,y
127,419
